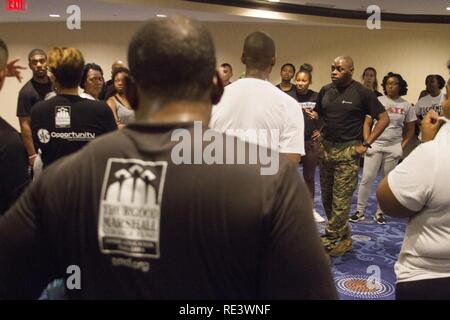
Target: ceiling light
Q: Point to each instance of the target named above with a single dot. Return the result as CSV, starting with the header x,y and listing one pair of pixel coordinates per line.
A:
x,y
265,14
448,8
54,16
274,0
161,16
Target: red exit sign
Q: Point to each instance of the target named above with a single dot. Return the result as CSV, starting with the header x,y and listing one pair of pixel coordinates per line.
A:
x,y
16,5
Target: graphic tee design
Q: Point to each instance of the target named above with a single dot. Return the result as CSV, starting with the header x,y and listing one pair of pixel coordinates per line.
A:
x,y
130,207
62,117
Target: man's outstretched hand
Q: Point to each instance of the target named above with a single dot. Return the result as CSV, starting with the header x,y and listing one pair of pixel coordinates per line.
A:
x,y
13,70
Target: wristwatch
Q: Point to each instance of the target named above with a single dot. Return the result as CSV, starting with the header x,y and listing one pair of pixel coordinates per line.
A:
x,y
366,144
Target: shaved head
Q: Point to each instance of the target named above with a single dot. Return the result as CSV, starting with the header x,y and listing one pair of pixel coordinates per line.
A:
x,y
259,51
118,64
173,59
342,71
347,60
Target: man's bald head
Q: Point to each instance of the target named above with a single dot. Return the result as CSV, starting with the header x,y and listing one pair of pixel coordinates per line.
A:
x,y
346,60
173,59
259,51
118,64
342,70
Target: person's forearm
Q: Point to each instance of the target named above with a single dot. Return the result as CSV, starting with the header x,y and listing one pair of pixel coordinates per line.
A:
x,y
405,142
27,138
428,135
366,129
381,124
409,134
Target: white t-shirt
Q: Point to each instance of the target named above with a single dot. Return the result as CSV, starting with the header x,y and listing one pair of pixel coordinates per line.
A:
x,y
428,103
256,105
421,183
400,112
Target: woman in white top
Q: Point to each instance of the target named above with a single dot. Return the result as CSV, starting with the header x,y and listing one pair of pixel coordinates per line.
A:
x,y
418,189
92,81
118,102
387,150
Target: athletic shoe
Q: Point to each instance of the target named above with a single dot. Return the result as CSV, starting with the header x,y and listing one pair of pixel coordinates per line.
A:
x,y
317,216
356,217
379,218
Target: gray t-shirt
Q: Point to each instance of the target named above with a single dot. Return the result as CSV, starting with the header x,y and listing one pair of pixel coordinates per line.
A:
x,y
428,103
400,112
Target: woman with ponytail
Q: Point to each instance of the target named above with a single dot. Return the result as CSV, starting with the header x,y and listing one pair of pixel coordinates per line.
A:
x,y
307,101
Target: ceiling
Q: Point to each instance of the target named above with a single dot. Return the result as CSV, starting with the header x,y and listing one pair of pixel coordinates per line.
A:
x,y
428,7
140,10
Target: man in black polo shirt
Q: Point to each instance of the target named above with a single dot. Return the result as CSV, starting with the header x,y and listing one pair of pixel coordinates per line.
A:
x,y
32,92
141,225
343,106
13,157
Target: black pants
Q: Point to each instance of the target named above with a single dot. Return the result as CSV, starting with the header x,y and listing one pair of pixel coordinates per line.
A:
x,y
430,289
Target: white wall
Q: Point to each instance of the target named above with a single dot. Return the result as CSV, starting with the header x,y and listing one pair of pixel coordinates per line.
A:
x,y
410,49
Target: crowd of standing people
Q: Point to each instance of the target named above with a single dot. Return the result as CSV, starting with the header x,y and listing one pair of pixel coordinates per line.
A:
x,y
107,196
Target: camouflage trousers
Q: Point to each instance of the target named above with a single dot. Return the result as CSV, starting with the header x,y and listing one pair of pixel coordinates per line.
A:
x,y
339,166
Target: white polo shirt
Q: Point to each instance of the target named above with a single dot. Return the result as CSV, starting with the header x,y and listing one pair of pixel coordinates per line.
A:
x,y
251,104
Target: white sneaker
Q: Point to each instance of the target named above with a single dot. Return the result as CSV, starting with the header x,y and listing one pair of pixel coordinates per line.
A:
x,y
317,216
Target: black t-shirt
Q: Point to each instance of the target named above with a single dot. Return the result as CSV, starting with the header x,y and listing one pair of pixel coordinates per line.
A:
x,y
66,123
377,93
140,226
31,93
105,88
292,92
13,165
107,91
308,100
343,111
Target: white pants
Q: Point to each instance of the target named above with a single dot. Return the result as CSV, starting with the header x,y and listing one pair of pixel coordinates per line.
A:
x,y
37,166
376,158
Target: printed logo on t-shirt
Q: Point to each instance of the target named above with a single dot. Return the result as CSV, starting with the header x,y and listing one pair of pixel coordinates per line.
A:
x,y
130,207
62,116
346,102
307,105
396,110
43,136
435,107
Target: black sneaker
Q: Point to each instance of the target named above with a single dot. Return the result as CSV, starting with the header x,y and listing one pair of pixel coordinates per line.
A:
x,y
379,218
356,217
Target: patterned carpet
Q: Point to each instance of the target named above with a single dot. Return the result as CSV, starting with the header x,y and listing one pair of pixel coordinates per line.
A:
x,y
367,271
